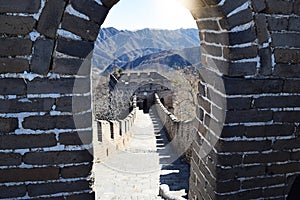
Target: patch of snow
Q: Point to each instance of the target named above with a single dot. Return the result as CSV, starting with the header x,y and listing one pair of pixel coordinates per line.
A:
x,y
37,15
242,27
53,76
25,100
99,2
28,76
34,35
72,11
68,34
242,7
55,113
221,3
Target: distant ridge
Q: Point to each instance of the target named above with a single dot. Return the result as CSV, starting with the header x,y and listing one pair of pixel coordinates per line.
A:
x,y
130,49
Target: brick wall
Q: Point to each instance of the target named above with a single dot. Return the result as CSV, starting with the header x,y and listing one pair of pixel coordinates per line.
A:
x,y
248,101
45,110
248,112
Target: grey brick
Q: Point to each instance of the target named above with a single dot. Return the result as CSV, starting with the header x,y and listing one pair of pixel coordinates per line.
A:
x,y
287,56
237,19
90,8
58,122
87,30
75,48
277,24
294,23
13,65
15,25
287,70
231,53
32,105
279,6
265,61
286,40
71,66
51,17
10,86
19,6
8,125
261,28
259,5
41,59
54,86
8,47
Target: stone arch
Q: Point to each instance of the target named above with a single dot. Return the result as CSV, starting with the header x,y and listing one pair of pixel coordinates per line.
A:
x,y
250,56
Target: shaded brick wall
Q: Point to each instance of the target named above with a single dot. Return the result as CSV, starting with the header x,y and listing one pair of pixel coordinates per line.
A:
x,y
248,109
248,99
45,105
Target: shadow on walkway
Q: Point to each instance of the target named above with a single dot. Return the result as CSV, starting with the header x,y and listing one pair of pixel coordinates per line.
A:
x,y
174,169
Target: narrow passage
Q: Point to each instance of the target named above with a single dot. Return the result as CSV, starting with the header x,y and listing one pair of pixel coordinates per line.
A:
x,y
148,161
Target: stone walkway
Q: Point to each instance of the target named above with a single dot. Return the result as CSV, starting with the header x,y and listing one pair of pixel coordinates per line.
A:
x,y
147,162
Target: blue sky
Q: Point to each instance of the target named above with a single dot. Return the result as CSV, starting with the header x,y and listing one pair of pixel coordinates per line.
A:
x,y
158,14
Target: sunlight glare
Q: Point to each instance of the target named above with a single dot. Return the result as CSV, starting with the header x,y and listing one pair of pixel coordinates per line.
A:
x,y
157,14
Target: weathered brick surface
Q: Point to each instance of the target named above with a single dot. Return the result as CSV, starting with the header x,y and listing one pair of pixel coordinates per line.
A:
x,y
52,188
34,174
277,24
10,86
8,47
85,29
58,122
58,157
232,68
240,53
51,17
27,141
258,5
73,104
10,159
75,138
28,105
71,66
62,85
287,70
252,86
15,65
76,171
19,6
12,191
238,19
287,55
16,25
85,196
69,47
95,11
41,59
8,124
265,61
279,6
285,40
261,28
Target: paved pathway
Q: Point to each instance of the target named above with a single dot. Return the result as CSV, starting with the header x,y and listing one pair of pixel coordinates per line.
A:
x,y
147,162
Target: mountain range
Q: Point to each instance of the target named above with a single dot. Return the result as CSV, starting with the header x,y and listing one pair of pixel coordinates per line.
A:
x,y
144,48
